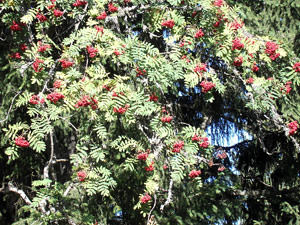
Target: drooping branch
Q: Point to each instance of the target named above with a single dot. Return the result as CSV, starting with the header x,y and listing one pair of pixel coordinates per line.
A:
x,y
169,198
50,162
275,118
153,207
20,192
68,189
158,146
12,188
156,142
10,107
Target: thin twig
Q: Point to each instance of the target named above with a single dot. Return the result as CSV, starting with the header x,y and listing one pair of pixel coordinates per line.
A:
x,y
60,160
68,190
50,162
69,123
169,198
141,128
154,205
10,107
158,146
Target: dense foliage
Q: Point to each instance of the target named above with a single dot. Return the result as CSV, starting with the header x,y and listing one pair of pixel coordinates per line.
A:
x,y
278,18
105,107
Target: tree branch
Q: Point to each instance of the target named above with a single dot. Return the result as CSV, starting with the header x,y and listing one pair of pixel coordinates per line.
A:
x,y
50,162
20,192
10,107
154,205
68,190
169,198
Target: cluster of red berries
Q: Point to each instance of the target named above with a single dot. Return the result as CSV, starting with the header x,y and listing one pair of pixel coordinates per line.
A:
x,y
196,138
112,8
79,3
255,68
99,29
140,72
142,156
250,80
22,142
169,23
92,51
201,68
270,50
54,97
146,198
203,141
221,168
65,63
288,87
36,65
106,87
166,119
57,84
153,97
236,25
222,155
181,44
87,101
23,47
293,126
116,95
236,44
117,53
52,5
41,17
42,47
15,55
218,3
186,58
81,175
121,110
194,173
199,34
207,86
34,100
57,13
238,61
220,19
178,146
102,16
16,26
150,167
296,67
